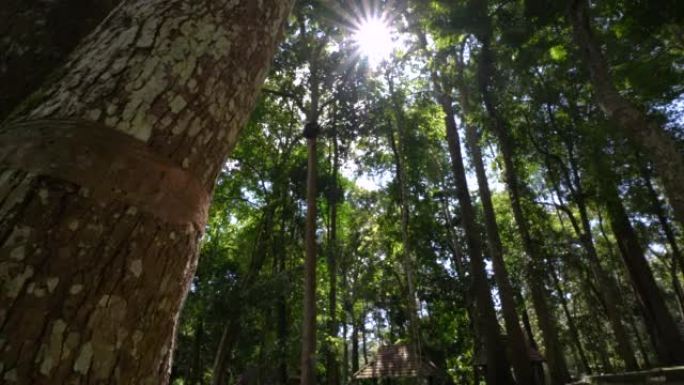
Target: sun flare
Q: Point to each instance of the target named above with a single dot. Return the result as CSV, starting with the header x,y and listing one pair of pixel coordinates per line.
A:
x,y
374,40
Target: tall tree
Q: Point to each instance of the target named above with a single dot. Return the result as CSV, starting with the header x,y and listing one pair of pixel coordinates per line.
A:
x,y
665,333
665,153
108,172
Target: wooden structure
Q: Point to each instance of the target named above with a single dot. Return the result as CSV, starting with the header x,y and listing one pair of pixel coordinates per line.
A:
x,y
666,376
394,363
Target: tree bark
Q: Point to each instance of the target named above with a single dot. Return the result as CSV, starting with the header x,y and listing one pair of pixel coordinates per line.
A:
x,y
106,182
38,35
664,152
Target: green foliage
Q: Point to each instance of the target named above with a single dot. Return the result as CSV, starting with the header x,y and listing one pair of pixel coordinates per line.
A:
x,y
250,266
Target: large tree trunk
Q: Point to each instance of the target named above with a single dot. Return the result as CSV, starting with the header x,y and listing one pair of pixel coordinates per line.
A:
x,y
534,266
106,185
37,37
498,369
664,152
668,340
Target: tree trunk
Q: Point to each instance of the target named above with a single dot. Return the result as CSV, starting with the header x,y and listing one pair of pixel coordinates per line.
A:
x,y
534,266
308,375
332,366
518,346
364,346
106,185
574,332
224,351
38,35
197,369
608,290
498,368
396,143
664,152
659,211
355,347
671,351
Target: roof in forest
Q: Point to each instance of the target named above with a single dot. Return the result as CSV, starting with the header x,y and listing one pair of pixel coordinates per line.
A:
x,y
396,361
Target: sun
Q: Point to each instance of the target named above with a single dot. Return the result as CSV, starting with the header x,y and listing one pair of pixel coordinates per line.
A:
x,y
373,38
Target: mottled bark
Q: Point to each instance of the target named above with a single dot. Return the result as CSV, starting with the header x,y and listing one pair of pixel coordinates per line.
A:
x,y
99,229
665,153
516,191
37,37
665,333
498,367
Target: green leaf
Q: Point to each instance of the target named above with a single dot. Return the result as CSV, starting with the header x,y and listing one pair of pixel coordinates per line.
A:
x,y
558,53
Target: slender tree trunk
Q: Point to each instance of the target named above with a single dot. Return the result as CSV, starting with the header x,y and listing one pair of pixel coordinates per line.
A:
x,y
519,350
332,366
224,351
498,368
659,211
667,335
355,347
308,375
197,369
608,290
106,186
37,37
574,332
667,157
364,346
534,267
645,352
397,145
